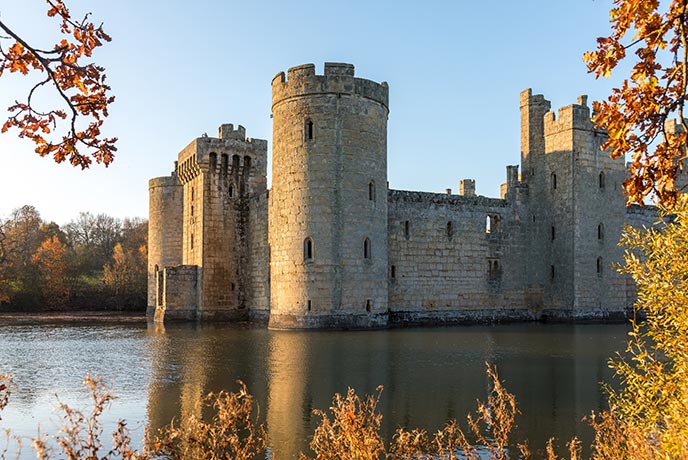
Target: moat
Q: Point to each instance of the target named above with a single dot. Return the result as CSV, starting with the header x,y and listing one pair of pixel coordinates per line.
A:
x,y
429,375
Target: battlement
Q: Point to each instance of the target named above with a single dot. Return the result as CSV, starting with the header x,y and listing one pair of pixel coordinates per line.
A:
x,y
573,116
164,181
227,131
527,98
338,78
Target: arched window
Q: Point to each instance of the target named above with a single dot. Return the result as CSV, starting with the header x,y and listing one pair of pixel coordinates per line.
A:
x,y
450,230
493,269
600,231
308,249
366,248
554,181
308,131
599,265
231,191
492,224
601,180
371,190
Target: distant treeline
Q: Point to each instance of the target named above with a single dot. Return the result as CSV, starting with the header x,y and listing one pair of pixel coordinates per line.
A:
x,y
93,262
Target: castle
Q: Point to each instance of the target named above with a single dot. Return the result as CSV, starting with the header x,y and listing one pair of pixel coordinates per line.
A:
x,y
331,246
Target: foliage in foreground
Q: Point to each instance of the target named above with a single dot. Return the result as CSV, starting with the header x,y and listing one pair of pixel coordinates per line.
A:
x,y
651,407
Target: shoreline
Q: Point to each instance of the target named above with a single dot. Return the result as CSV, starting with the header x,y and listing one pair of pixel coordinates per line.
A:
x,y
112,316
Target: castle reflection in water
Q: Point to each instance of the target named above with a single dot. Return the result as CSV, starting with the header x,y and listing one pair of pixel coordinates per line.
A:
x,y
429,376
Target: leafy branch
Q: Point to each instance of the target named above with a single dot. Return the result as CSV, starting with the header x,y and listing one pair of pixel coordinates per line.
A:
x,y
80,85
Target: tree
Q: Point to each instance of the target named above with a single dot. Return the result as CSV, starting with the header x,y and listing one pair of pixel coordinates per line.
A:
x,y
648,416
80,85
93,238
49,260
637,114
127,274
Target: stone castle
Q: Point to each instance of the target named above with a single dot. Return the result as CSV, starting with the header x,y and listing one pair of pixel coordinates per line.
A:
x,y
331,246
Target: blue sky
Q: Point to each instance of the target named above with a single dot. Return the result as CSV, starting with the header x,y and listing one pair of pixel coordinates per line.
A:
x,y
180,69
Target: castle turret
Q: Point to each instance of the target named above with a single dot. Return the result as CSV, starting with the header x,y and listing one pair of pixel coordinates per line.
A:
x,y
580,215
533,109
328,203
164,232
219,175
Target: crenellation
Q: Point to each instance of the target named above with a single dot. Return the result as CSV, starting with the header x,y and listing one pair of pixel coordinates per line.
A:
x,y
331,246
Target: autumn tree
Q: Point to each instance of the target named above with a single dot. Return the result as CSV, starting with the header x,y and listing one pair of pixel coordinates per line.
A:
x,y
50,262
79,84
126,275
638,114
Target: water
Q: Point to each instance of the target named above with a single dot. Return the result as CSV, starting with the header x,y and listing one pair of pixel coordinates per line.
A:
x,y
429,375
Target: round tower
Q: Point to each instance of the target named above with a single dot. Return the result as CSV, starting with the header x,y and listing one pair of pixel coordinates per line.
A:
x,y
164,232
328,203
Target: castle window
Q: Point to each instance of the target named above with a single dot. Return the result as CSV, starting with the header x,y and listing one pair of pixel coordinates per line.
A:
x,y
231,191
213,161
309,305
601,180
192,241
192,193
308,249
554,233
159,287
309,129
232,287
599,265
407,229
369,305
192,211
493,269
366,248
450,230
554,181
551,272
600,231
371,190
157,269
224,164
393,271
492,224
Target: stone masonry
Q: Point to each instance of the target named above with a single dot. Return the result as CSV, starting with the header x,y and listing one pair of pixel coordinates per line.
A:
x,y
329,246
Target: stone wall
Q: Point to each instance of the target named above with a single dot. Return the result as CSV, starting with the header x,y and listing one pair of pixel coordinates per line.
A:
x,y
454,258
258,279
177,287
